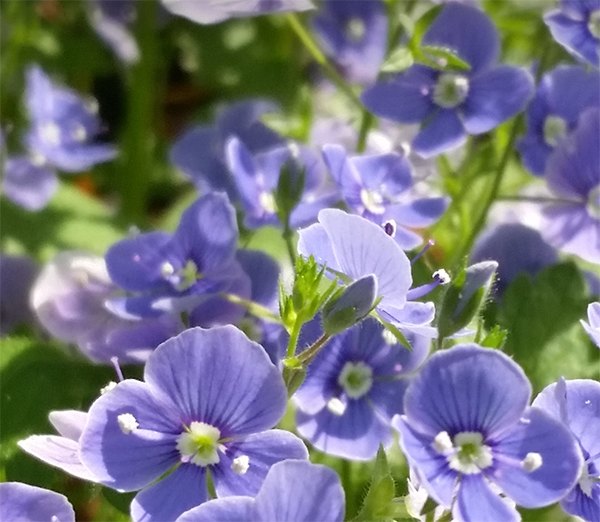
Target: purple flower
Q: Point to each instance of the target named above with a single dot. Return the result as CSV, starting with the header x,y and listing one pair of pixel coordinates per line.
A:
x,y
69,299
183,271
62,133
353,388
208,398
355,35
374,187
61,451
450,105
467,431
576,404
351,248
25,503
517,249
213,11
573,175
576,26
561,96
257,177
592,327
17,274
293,491
112,20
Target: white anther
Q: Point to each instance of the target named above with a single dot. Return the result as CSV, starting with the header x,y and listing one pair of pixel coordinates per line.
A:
x,y
51,133
389,337
167,269
336,406
442,276
442,443
240,464
110,386
127,423
531,462
79,133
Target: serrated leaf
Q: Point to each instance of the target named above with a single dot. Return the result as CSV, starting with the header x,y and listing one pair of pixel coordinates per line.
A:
x,y
379,502
495,338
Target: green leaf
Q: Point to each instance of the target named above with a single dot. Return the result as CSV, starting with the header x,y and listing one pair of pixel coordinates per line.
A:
x,y
542,318
399,60
390,327
495,338
379,504
441,58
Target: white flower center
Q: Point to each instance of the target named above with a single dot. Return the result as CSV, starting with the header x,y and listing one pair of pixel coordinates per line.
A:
x,y
594,23
356,379
199,444
555,128
267,202
127,423
355,29
450,90
466,454
51,133
372,201
240,464
593,204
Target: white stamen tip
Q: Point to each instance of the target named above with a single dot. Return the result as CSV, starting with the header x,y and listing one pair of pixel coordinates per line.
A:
x,y
442,276
79,133
442,443
167,269
531,462
240,464
389,337
110,386
127,423
336,406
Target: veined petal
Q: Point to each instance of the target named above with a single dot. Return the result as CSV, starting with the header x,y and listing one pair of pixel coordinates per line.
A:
x,y
232,509
28,185
418,213
132,460
476,502
164,501
495,96
321,497
69,423
561,460
444,131
262,450
220,377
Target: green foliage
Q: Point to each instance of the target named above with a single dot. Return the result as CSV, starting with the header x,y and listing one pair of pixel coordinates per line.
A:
x,y
544,335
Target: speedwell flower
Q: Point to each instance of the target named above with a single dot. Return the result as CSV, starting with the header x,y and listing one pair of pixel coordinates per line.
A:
x,y
592,327
467,430
208,399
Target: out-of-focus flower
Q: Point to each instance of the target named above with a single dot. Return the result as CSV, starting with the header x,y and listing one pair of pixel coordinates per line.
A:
x,y
575,24
62,134
200,151
61,451
355,35
353,388
573,175
451,104
17,274
576,404
466,426
258,176
213,11
592,327
293,491
25,503
561,96
182,272
517,249
375,186
207,403
112,20
69,299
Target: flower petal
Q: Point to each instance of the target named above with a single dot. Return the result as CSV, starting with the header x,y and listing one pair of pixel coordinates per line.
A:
x,y
130,461
69,423
322,496
220,377
25,503
28,185
263,450
467,388
232,509
476,502
573,35
561,458
164,501
495,96
444,131
418,213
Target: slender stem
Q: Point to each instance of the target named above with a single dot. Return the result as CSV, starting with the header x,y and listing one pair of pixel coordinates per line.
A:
x,y
310,353
291,348
288,236
537,199
254,308
138,140
318,55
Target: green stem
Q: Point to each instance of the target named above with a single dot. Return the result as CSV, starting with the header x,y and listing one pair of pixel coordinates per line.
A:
x,y
291,348
537,199
254,308
288,236
311,352
138,140
318,55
